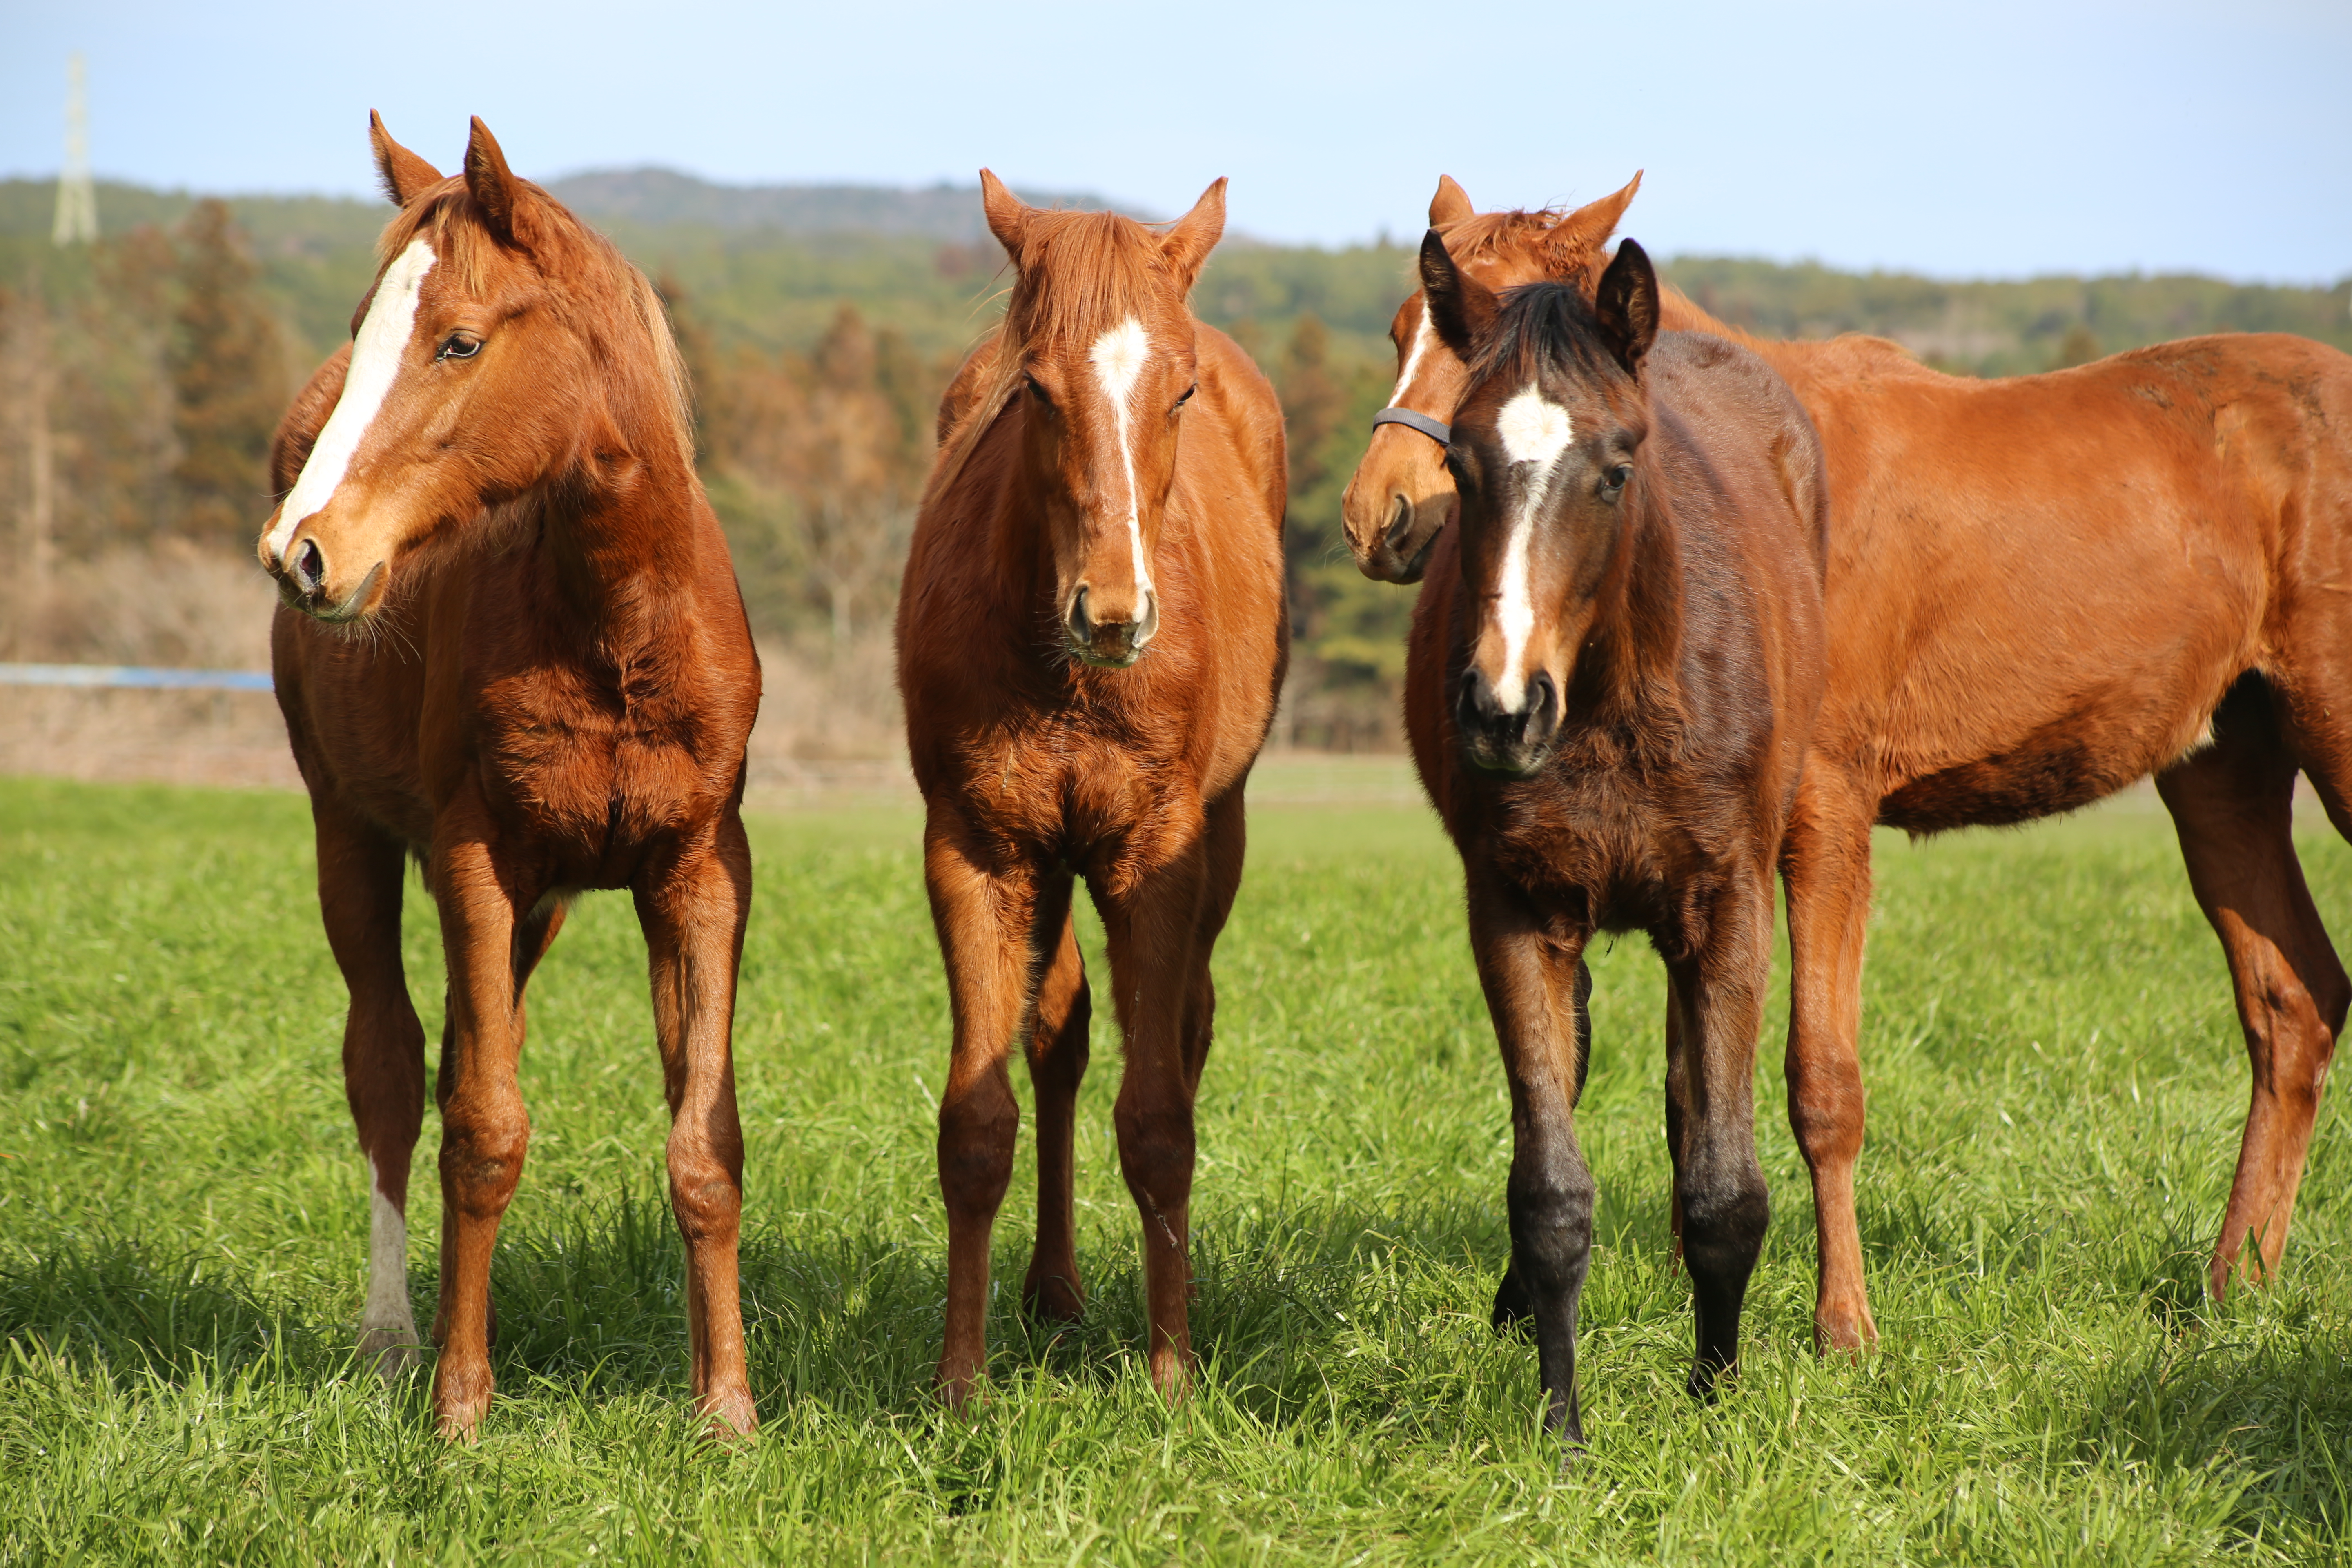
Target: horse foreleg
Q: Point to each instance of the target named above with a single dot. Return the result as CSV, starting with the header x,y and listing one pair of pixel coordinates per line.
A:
x,y
383,1059
2234,807
1719,994
1530,975
1058,1052
1513,1309
1825,863
986,918
692,906
1152,920
484,1130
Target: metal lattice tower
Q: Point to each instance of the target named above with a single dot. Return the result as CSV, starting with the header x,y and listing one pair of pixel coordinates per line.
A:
x,y
77,200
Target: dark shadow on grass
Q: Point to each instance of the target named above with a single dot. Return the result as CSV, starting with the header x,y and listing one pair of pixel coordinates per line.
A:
x,y
592,1300
126,1305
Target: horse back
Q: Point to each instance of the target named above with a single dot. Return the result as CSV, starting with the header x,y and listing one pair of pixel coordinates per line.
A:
x,y
2042,587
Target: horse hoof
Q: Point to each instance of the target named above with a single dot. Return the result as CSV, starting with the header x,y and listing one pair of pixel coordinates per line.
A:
x,y
733,1416
460,1400
957,1390
1172,1374
394,1353
1846,1333
1052,1299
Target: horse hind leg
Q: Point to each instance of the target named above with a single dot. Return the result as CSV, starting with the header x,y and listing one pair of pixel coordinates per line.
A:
x,y
2232,805
1058,1051
360,871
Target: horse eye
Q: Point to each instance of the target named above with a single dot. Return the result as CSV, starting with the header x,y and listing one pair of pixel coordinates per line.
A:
x,y
1188,395
459,346
1037,390
1617,476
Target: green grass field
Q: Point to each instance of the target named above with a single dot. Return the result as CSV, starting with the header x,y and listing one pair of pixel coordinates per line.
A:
x,y
2057,1084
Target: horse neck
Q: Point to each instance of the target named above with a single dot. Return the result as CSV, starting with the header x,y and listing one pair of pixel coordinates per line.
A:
x,y
622,557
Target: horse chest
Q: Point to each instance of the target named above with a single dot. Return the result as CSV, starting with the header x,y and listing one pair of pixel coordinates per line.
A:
x,y
591,781
1616,851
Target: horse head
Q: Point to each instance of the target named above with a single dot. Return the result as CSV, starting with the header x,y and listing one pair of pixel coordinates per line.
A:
x,y
1098,350
1545,456
504,348
1401,497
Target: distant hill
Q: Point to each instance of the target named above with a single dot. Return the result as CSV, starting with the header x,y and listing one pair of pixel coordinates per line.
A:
x,y
768,266
663,197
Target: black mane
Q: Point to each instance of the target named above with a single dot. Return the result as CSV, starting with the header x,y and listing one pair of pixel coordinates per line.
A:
x,y
1546,325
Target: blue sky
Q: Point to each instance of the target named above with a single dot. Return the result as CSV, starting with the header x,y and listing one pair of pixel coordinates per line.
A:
x,y
1991,139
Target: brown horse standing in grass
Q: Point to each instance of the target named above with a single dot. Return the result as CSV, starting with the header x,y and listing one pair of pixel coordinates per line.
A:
x,y
512,647
2040,590
1091,637
1614,672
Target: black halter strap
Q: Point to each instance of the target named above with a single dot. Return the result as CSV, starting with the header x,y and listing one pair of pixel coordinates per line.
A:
x,y
1436,430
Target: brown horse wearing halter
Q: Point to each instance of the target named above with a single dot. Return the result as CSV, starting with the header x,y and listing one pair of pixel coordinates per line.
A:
x,y
2040,590
1091,637
1614,669
512,647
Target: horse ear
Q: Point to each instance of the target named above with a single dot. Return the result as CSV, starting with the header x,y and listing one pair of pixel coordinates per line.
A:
x,y
1008,215
494,187
1188,243
1450,205
400,172
1627,304
1584,232
1461,308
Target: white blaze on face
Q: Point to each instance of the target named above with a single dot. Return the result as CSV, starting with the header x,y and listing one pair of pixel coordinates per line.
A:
x,y
376,355
1535,431
1423,335
1118,357
387,1296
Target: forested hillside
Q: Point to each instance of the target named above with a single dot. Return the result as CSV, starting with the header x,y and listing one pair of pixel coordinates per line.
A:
x,y
139,378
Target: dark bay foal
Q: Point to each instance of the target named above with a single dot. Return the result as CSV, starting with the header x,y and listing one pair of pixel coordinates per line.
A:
x,y
1615,665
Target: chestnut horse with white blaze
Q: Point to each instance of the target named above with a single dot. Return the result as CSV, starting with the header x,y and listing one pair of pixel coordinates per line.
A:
x,y
1614,672
1091,637
513,648
2040,590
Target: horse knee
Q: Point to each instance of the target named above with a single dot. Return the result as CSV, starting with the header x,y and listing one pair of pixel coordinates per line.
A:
x,y
707,1204
1723,1219
1155,1151
1551,1230
977,1132
1825,1112
481,1159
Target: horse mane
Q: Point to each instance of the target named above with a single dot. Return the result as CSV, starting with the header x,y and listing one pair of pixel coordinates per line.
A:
x,y
605,291
1079,274
1538,231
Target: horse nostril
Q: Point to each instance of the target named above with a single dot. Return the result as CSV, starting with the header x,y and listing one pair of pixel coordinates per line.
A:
x,y
1147,622
1080,627
1543,707
308,567
1399,522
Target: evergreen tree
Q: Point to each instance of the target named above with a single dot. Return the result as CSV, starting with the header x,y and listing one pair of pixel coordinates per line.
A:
x,y
228,382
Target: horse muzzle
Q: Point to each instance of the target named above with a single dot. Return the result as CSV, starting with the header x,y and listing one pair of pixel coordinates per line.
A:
x,y
301,575
1115,640
1512,741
